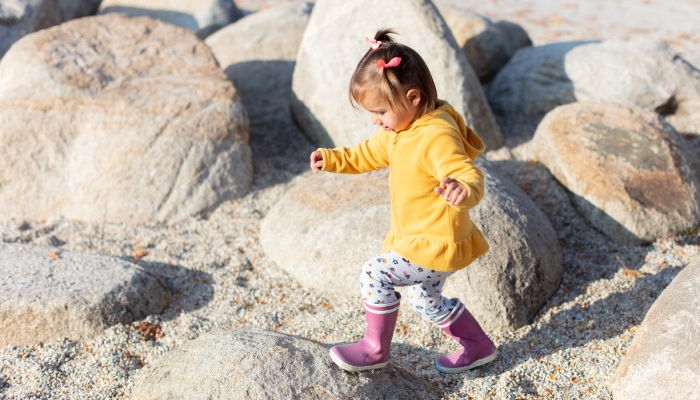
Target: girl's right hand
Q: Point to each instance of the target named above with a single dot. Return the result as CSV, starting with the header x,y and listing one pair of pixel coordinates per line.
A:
x,y
316,161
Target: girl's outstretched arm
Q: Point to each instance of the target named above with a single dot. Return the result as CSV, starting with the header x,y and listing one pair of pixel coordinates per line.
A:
x,y
367,156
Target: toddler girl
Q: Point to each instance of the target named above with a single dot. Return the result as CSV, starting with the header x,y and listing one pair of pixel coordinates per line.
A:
x,y
433,184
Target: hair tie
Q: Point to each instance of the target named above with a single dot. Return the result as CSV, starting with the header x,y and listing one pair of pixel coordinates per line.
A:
x,y
374,44
394,62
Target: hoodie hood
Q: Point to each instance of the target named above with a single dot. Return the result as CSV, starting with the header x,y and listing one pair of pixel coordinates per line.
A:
x,y
445,116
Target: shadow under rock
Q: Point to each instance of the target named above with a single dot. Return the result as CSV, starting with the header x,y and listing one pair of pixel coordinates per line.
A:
x,y
280,149
583,323
172,17
190,289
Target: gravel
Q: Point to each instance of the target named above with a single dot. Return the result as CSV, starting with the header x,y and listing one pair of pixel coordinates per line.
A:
x,y
221,279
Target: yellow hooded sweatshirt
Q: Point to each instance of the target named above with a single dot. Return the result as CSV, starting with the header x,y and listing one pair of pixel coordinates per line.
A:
x,y
424,227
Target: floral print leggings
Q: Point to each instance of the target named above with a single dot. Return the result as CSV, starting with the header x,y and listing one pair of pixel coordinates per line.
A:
x,y
380,275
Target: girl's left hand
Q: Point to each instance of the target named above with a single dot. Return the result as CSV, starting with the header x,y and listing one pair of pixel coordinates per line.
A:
x,y
452,191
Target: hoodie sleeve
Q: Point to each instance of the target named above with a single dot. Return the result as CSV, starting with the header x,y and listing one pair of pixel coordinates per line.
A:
x,y
445,155
367,156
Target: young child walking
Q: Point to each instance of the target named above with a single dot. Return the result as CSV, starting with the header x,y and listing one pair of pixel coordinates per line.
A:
x,y
433,184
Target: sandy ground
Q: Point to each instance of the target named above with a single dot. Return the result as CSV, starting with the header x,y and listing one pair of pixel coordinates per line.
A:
x,y
221,278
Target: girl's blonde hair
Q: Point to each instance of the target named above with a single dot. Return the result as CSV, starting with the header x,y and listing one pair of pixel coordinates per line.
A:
x,y
393,83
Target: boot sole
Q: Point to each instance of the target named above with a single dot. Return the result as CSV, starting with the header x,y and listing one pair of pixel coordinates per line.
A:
x,y
353,368
477,363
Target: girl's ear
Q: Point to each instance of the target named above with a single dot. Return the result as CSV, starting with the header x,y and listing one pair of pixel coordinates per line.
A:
x,y
413,97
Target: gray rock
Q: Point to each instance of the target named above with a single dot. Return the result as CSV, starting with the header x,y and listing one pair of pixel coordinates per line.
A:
x,y
662,361
95,127
334,42
73,9
643,74
506,287
257,364
48,294
488,45
329,222
203,17
19,18
349,216
627,169
532,83
258,54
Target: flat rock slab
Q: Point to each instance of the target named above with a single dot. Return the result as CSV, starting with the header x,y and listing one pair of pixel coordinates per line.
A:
x,y
333,44
488,45
662,361
331,224
118,119
19,18
48,294
257,364
627,169
200,16
644,74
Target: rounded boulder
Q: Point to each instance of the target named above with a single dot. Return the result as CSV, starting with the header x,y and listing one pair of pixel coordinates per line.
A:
x,y
257,364
118,119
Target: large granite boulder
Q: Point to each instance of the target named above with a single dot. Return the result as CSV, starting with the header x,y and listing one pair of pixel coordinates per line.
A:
x,y
256,364
48,294
627,170
662,361
200,16
488,45
645,74
111,118
22,17
258,53
333,44
345,223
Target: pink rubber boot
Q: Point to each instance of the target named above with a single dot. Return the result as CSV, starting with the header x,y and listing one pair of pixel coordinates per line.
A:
x,y
372,352
477,349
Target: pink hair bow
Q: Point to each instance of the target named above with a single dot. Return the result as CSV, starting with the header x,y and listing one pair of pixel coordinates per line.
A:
x,y
394,62
374,44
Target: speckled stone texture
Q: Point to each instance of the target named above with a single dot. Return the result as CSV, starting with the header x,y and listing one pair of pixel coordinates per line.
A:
x,y
662,361
628,170
257,364
48,294
112,118
333,44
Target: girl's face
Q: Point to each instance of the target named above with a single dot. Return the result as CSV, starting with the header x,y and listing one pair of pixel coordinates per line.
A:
x,y
392,120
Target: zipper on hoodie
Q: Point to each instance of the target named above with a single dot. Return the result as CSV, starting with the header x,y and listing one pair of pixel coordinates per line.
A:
x,y
392,185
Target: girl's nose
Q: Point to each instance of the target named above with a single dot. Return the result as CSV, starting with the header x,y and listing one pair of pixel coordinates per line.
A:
x,y
375,120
